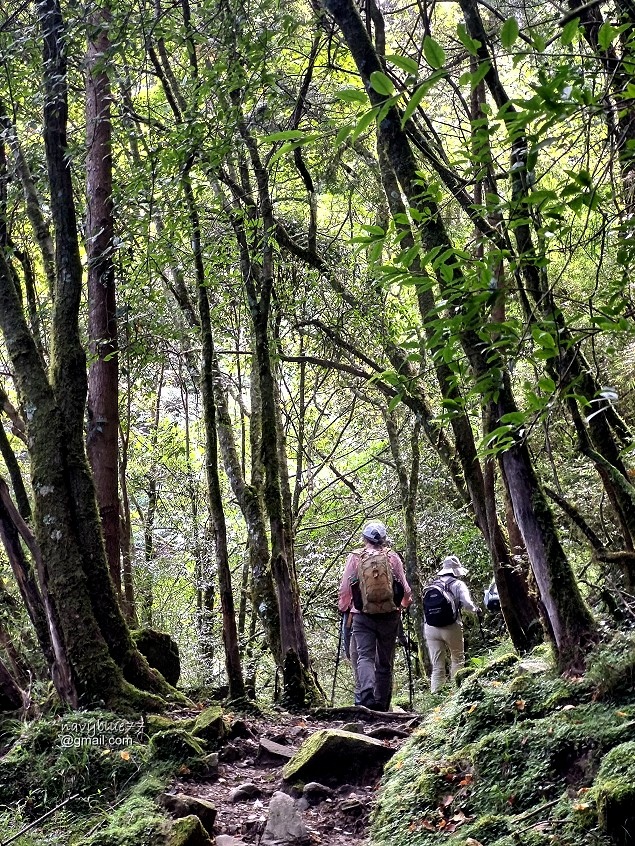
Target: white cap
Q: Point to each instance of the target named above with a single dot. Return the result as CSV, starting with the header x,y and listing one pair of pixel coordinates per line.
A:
x,y
374,531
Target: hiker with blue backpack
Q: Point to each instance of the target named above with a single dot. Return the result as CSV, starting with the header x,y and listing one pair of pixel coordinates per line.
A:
x,y
444,598
373,589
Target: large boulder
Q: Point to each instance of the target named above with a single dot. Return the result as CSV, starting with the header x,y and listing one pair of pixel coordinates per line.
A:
x,y
160,651
338,756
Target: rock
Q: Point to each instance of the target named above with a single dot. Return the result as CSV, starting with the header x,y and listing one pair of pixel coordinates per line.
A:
x,y
352,806
356,728
387,733
175,745
614,790
315,792
228,840
230,753
268,750
244,792
182,805
209,765
188,831
337,755
160,651
284,823
210,726
239,728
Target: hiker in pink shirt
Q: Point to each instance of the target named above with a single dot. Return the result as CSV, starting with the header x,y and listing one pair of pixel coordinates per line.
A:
x,y
374,589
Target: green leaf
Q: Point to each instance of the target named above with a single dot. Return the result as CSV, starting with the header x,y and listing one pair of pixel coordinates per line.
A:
x,y
433,52
419,94
480,73
352,95
538,42
374,230
470,44
509,32
343,134
285,148
515,418
285,135
405,63
570,31
364,122
606,35
381,84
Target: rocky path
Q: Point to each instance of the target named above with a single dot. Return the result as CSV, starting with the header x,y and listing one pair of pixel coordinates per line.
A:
x,y
249,794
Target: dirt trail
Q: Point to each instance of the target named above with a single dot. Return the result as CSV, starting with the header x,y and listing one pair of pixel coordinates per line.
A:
x,y
253,759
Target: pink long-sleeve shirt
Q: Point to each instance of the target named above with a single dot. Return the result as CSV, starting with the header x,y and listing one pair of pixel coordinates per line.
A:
x,y
345,600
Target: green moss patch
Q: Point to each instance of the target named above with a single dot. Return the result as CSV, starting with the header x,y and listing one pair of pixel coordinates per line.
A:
x,y
517,755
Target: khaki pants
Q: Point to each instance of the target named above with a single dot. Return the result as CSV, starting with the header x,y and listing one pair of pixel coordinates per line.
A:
x,y
440,641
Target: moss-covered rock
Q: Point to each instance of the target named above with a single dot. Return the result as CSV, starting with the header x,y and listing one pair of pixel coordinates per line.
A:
x,y
160,651
175,745
188,831
614,792
211,726
336,755
182,805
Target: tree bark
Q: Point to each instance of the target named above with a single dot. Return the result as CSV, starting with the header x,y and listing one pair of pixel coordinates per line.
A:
x,y
103,380
219,528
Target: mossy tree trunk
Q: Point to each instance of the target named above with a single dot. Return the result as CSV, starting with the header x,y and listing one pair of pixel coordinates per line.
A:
x,y
249,502
219,528
257,267
92,638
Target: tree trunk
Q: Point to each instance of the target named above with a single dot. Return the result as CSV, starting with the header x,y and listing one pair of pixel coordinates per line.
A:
x,y
572,624
103,380
219,528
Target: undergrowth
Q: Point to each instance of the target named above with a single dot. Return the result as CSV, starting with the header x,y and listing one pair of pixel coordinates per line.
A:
x,y
88,779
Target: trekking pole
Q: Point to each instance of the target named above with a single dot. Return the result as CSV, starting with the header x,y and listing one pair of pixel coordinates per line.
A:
x,y
409,660
337,659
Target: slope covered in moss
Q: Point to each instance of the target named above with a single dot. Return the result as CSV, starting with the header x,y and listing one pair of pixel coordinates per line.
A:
x,y
518,756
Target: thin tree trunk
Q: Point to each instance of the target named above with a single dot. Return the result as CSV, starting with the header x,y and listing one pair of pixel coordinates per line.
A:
x,y
219,528
103,382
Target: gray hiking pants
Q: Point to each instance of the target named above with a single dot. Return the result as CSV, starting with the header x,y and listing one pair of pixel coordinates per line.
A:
x,y
375,637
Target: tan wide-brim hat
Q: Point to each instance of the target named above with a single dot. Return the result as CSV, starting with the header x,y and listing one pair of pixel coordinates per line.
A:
x,y
451,566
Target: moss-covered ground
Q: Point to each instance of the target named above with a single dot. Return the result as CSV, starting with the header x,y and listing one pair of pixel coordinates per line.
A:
x,y
90,778
518,756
